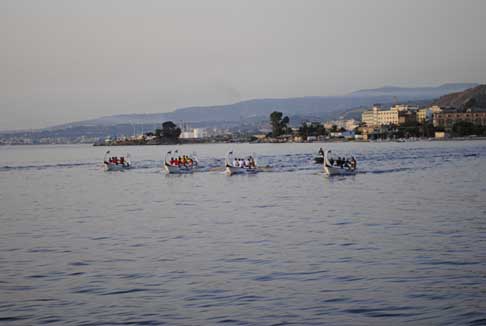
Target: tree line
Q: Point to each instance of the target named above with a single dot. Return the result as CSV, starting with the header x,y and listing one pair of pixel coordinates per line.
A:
x,y
280,126
168,133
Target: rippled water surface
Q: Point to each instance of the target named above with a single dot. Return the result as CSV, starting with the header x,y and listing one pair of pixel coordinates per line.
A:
x,y
402,242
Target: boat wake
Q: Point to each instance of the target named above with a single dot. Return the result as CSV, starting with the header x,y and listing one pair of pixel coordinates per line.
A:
x,y
369,162
46,166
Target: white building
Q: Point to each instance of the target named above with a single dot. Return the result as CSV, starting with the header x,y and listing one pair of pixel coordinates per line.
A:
x,y
187,135
196,133
350,124
397,114
200,133
404,107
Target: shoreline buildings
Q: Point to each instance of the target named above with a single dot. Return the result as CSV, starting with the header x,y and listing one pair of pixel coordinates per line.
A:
x,y
419,121
396,115
440,117
348,125
446,118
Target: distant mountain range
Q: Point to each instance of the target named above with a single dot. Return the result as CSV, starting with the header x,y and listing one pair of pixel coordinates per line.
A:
x,y
248,114
422,93
322,107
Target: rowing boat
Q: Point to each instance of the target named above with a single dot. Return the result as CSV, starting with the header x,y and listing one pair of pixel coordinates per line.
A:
x,y
232,169
332,170
116,164
179,168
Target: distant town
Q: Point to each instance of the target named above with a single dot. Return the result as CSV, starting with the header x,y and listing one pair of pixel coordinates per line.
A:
x,y
461,114
399,122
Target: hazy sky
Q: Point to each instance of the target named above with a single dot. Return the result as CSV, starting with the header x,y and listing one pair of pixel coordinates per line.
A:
x,y
62,61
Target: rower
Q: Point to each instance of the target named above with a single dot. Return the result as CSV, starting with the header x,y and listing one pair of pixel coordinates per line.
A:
x,y
251,162
347,163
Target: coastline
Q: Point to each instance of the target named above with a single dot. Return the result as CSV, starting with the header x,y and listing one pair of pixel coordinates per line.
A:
x,y
330,141
302,142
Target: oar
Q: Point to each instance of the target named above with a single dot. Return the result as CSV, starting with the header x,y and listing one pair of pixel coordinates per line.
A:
x,y
264,168
216,169
260,168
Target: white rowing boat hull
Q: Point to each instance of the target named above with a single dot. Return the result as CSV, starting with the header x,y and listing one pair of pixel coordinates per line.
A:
x,y
172,169
115,167
331,170
232,170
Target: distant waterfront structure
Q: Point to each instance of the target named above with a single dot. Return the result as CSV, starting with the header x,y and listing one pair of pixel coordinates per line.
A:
x,y
200,133
446,118
377,117
349,124
440,135
396,115
426,114
422,122
348,134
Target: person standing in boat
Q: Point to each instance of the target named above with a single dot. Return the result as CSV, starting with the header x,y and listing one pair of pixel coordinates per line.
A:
x,y
251,162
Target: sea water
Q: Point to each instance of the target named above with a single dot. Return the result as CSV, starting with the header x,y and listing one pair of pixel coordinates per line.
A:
x,y
401,242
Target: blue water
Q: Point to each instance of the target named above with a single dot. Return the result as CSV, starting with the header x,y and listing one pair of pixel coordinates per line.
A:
x,y
402,242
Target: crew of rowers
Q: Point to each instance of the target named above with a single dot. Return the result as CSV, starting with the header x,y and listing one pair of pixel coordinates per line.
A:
x,y
117,160
342,162
183,160
248,163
